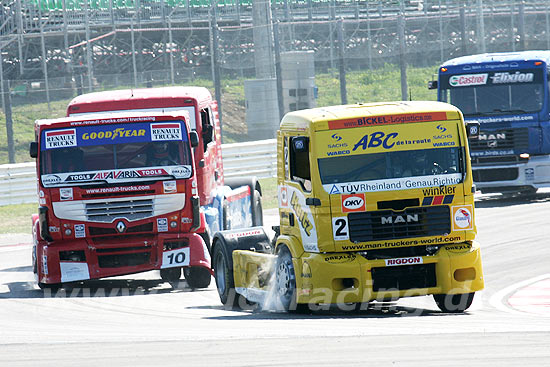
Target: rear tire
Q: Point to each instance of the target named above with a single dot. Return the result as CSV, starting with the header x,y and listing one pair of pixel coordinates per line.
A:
x,y
225,282
197,276
170,274
454,303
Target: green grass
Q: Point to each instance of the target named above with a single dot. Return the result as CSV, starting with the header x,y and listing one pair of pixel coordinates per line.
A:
x,y
269,193
17,218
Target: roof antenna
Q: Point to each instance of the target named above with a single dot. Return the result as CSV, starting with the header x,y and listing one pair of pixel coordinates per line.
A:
x,y
410,95
132,91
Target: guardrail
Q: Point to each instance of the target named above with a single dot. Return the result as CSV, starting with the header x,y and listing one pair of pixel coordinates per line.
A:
x,y
256,158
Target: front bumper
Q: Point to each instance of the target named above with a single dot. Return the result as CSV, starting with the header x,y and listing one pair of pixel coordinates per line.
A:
x,y
85,259
351,278
535,173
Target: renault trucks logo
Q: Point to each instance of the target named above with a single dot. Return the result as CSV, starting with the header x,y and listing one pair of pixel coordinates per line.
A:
x,y
120,227
468,79
60,138
168,131
462,217
517,77
353,203
394,219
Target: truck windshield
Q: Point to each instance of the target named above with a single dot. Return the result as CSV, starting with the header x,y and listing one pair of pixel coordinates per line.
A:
x,y
114,153
497,93
390,165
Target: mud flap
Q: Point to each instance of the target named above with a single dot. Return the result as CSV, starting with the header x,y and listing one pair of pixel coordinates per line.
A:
x,y
252,272
253,241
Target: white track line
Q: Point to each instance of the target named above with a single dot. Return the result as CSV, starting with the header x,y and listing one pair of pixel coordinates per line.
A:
x,y
498,299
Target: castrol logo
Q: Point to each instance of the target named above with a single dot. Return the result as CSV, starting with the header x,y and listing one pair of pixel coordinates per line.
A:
x,y
404,261
353,203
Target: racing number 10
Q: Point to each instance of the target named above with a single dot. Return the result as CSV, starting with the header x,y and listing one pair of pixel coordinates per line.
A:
x,y
178,258
175,258
340,228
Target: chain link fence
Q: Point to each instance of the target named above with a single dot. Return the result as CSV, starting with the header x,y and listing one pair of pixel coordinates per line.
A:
x,y
53,50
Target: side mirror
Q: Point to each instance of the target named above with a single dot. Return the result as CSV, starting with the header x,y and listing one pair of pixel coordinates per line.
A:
x,y
300,144
194,139
432,84
472,129
33,149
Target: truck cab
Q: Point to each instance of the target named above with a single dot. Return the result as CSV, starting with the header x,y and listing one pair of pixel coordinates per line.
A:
x,y
376,201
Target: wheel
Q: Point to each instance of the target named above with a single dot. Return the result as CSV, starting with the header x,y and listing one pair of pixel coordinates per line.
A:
x,y
225,281
50,286
197,276
170,274
285,284
528,191
257,213
454,303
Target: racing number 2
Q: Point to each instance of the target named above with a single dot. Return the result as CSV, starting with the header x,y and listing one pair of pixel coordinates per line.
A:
x,y
340,228
175,258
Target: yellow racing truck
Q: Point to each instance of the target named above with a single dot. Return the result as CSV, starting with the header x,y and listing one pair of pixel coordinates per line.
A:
x,y
376,202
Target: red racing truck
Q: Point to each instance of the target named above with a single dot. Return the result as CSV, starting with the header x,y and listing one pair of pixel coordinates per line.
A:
x,y
133,181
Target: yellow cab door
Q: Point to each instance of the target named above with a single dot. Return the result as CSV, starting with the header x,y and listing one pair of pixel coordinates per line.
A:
x,y
303,207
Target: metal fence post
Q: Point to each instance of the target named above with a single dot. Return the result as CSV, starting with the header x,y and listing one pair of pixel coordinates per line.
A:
x,y
463,29
278,71
480,27
214,57
44,64
402,51
521,26
9,121
341,63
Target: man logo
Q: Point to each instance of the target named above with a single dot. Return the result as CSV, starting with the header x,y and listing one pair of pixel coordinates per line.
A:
x,y
400,219
353,203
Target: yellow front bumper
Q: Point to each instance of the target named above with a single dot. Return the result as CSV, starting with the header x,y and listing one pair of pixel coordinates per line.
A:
x,y
351,278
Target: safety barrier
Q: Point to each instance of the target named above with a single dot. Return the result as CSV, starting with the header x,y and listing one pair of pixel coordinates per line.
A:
x,y
257,158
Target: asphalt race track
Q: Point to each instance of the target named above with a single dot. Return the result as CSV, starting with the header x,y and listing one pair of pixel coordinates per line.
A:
x,y
141,321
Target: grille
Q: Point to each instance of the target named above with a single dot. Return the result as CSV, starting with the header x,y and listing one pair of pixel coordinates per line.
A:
x,y
506,159
403,277
102,231
114,250
497,174
118,261
130,209
389,224
517,139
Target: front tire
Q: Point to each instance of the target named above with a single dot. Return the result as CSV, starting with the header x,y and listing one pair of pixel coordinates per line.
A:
x,y
50,286
170,274
197,276
224,279
285,284
454,303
